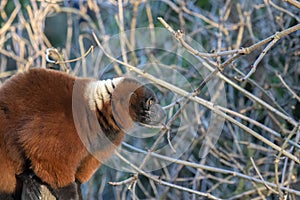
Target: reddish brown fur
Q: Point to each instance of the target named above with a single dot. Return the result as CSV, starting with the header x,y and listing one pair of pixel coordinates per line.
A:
x,y
36,120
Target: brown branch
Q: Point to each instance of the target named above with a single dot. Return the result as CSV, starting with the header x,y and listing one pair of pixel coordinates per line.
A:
x,y
293,2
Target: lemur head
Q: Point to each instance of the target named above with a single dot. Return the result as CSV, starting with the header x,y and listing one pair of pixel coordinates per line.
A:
x,y
120,102
138,101
144,107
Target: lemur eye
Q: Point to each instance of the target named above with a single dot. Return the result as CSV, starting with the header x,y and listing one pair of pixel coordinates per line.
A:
x,y
150,102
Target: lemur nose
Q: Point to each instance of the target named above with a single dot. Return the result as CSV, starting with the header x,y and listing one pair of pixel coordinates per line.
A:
x,y
157,114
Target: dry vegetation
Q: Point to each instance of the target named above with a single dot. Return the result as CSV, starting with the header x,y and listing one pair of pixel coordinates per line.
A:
x,y
234,135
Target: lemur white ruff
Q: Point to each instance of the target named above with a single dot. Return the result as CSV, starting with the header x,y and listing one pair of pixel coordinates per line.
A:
x,y
37,129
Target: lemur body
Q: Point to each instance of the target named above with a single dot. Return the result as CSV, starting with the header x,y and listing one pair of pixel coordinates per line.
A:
x,y
39,129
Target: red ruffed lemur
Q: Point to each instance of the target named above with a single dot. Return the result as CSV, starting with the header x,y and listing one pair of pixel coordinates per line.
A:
x,y
49,118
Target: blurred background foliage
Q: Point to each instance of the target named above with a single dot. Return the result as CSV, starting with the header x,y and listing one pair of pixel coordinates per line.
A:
x,y
29,27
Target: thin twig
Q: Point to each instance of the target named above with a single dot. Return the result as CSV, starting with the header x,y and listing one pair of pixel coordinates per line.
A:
x,y
129,180
287,87
59,58
260,57
260,176
122,33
